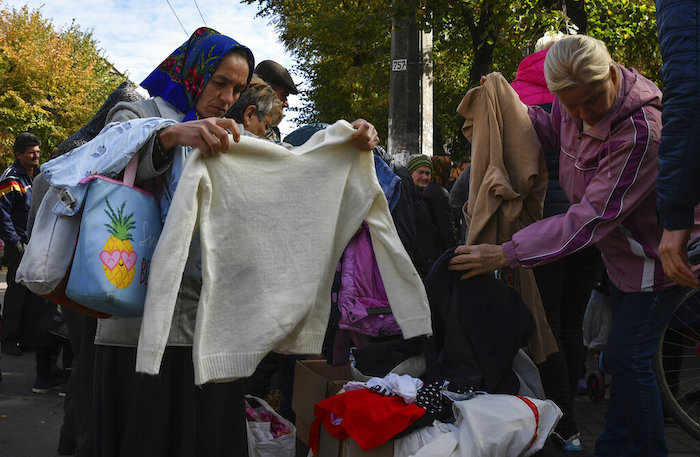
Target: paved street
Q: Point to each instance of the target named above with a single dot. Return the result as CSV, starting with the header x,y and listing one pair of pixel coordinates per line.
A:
x,y
30,423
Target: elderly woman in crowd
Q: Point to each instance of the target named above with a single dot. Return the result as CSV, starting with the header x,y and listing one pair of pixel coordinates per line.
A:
x,y
605,123
169,415
258,109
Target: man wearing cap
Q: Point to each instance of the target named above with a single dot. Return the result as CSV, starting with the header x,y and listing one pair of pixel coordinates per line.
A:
x,y
281,82
435,231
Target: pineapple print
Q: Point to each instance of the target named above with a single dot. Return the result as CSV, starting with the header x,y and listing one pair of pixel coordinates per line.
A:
x,y
118,257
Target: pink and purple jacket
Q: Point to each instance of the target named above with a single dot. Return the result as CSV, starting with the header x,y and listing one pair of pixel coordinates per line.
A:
x,y
609,174
529,83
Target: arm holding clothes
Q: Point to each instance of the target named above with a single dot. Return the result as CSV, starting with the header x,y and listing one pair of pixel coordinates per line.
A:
x,y
365,137
623,179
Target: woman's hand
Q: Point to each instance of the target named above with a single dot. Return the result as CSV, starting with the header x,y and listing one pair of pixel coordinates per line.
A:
x,y
365,137
478,259
674,257
208,135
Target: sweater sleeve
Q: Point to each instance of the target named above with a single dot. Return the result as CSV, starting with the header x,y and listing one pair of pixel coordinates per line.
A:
x,y
624,178
544,124
168,265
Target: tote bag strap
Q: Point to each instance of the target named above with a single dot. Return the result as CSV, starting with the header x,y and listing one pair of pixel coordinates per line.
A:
x,y
130,170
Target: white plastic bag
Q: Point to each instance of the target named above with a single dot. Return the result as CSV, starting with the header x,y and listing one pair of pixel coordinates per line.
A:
x,y
597,321
261,443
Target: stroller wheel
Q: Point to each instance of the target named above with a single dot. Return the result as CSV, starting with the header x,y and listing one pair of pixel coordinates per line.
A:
x,y
596,387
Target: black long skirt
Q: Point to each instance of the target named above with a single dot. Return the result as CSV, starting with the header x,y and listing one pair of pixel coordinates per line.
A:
x,y
166,415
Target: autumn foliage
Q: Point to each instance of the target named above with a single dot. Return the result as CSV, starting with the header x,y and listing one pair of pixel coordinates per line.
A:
x,y
343,51
52,79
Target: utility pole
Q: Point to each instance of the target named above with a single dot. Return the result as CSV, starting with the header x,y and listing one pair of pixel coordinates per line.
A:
x,y
410,91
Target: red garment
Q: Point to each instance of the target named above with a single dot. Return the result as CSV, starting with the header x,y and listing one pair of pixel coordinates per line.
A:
x,y
530,83
371,419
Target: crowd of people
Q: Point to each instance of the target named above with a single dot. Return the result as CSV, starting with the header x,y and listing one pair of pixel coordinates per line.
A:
x,y
620,199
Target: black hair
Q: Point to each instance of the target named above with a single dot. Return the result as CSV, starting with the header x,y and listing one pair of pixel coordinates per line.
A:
x,y
25,140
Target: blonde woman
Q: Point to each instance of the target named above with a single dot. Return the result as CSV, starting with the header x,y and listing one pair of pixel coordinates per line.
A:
x,y
606,124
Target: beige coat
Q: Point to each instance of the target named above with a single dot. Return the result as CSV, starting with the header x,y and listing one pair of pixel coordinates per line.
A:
x,y
508,184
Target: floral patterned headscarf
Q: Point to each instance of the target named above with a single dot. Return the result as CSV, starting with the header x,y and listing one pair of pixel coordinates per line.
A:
x,y
181,77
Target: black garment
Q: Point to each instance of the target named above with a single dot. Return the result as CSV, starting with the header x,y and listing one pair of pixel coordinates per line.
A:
x,y
167,415
403,213
434,228
379,358
46,363
478,325
37,318
555,200
16,297
77,427
442,215
565,287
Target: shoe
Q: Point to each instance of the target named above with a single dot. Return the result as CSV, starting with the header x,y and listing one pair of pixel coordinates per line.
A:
x,y
10,348
42,386
62,389
573,443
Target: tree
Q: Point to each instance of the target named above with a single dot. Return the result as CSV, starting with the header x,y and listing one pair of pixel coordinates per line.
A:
x,y
628,28
52,80
345,54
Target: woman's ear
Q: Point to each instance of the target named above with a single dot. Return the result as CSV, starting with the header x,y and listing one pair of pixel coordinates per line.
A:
x,y
249,112
613,73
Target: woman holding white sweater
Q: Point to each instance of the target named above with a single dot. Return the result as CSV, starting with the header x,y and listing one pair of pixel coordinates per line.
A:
x,y
168,415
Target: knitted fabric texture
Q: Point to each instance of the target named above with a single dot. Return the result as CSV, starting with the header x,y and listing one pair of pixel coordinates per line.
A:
x,y
419,161
270,244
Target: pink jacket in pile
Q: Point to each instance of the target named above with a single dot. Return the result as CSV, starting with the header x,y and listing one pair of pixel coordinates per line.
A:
x,y
529,80
609,175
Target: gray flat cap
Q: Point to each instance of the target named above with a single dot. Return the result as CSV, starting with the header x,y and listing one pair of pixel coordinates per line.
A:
x,y
273,73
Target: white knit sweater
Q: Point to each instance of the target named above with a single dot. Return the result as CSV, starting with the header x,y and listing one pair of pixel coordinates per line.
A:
x,y
273,226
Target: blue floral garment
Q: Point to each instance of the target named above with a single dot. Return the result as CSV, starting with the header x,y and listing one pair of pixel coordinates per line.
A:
x,y
107,154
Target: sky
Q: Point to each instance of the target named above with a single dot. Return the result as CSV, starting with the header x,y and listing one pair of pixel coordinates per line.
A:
x,y
136,35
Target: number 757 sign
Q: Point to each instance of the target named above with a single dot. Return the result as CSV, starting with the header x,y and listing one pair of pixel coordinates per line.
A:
x,y
398,65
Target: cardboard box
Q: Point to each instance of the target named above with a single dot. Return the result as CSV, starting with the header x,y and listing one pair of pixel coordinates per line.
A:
x,y
332,447
314,381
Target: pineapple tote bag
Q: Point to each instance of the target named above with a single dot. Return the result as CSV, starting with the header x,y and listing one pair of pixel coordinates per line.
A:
x,y
118,234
